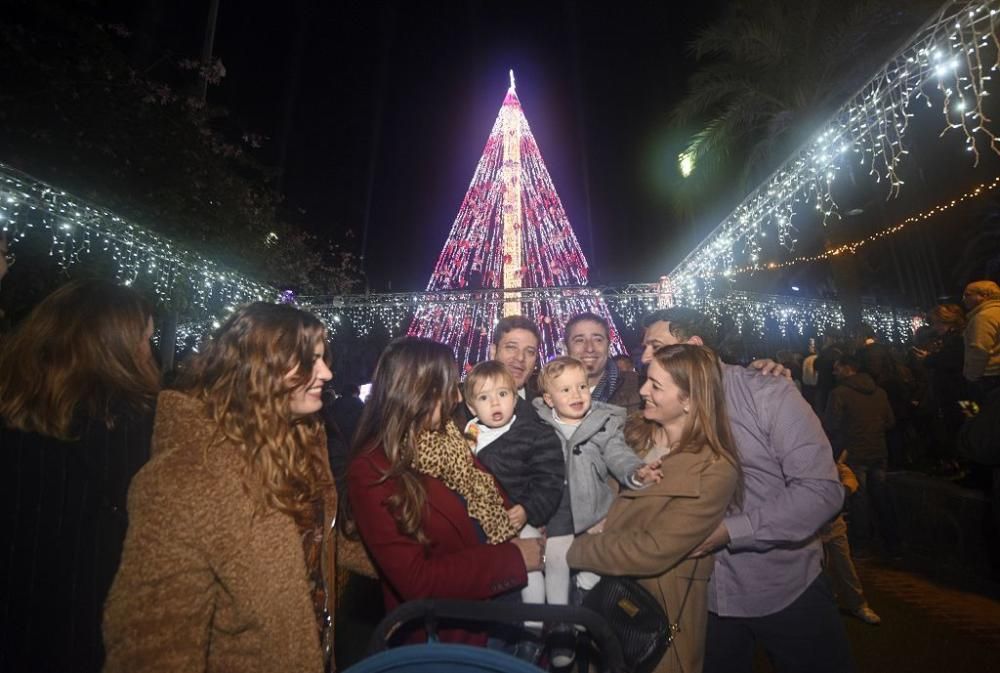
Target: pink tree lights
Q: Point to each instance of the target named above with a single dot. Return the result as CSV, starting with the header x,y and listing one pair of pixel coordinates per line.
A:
x,y
511,233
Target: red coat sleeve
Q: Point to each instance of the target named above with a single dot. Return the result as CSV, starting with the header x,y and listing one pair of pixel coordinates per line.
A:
x,y
455,565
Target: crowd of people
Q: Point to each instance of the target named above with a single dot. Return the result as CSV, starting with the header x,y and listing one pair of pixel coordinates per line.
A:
x,y
927,406
233,521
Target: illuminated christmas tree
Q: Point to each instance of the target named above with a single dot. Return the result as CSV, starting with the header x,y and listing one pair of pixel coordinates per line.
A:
x,y
511,233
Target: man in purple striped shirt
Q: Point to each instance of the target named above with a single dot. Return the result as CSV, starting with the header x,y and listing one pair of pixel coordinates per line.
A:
x,y
768,586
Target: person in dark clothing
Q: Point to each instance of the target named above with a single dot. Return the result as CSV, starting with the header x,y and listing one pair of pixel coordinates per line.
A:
x,y
876,359
341,416
979,443
624,364
857,417
515,343
6,261
359,606
979,437
825,379
347,410
588,340
78,386
338,449
523,452
525,455
943,360
6,258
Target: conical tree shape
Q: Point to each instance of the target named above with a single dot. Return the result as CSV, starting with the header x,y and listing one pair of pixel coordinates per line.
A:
x,y
511,232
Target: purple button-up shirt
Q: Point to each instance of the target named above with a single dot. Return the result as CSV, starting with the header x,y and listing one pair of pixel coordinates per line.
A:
x,y
790,489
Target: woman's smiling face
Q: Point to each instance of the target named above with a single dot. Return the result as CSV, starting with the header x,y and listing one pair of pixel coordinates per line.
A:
x,y
666,403
308,398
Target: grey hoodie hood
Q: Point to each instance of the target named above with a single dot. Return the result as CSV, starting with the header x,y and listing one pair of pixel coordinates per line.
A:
x,y
595,419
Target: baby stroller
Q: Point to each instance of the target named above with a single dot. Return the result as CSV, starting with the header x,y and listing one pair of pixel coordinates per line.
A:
x,y
436,657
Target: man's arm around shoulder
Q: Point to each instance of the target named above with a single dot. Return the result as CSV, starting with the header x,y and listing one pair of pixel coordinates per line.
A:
x,y
811,493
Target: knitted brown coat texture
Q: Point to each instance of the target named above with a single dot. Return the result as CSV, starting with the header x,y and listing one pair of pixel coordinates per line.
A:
x,y
204,583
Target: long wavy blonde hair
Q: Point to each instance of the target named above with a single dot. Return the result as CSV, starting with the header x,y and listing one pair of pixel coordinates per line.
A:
x,y
413,379
241,375
696,371
78,355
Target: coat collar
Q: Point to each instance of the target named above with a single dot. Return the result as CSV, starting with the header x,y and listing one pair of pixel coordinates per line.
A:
x,y
599,414
182,419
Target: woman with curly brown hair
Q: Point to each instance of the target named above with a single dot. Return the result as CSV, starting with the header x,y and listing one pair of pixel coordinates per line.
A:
x,y
433,520
228,561
78,384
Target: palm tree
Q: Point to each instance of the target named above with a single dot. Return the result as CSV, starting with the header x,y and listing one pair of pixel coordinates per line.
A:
x,y
771,71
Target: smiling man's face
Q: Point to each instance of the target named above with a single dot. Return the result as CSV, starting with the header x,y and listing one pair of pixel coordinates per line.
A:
x,y
587,341
518,351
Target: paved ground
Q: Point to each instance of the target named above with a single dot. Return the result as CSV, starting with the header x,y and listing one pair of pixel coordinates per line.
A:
x,y
926,625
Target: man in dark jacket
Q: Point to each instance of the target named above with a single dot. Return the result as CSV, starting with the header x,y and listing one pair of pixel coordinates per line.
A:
x,y
341,416
858,414
515,343
587,339
347,410
979,442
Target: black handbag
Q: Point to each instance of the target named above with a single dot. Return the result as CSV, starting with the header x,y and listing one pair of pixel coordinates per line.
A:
x,y
637,620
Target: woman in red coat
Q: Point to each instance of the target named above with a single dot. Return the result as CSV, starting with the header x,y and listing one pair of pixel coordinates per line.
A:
x,y
431,518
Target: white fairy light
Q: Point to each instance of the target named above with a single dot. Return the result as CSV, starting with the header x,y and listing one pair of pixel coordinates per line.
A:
x,y
391,312
29,207
951,57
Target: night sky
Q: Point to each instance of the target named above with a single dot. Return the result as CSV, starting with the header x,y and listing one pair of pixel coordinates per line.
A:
x,y
402,96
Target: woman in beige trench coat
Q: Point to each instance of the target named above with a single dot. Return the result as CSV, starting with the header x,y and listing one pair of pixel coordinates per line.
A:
x,y
651,533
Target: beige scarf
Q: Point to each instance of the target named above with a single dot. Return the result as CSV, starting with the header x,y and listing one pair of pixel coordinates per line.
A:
x,y
446,456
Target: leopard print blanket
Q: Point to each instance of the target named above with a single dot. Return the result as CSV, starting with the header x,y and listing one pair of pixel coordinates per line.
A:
x,y
446,456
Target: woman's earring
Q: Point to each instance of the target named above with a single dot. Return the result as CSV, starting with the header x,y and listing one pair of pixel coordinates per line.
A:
x,y
685,410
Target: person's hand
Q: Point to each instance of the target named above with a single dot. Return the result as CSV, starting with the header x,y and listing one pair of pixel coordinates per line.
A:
x,y
518,517
719,538
532,552
649,474
769,367
597,528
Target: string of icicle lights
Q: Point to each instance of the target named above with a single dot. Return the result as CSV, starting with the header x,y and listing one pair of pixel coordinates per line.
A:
x,y
950,61
75,228
751,315
852,247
